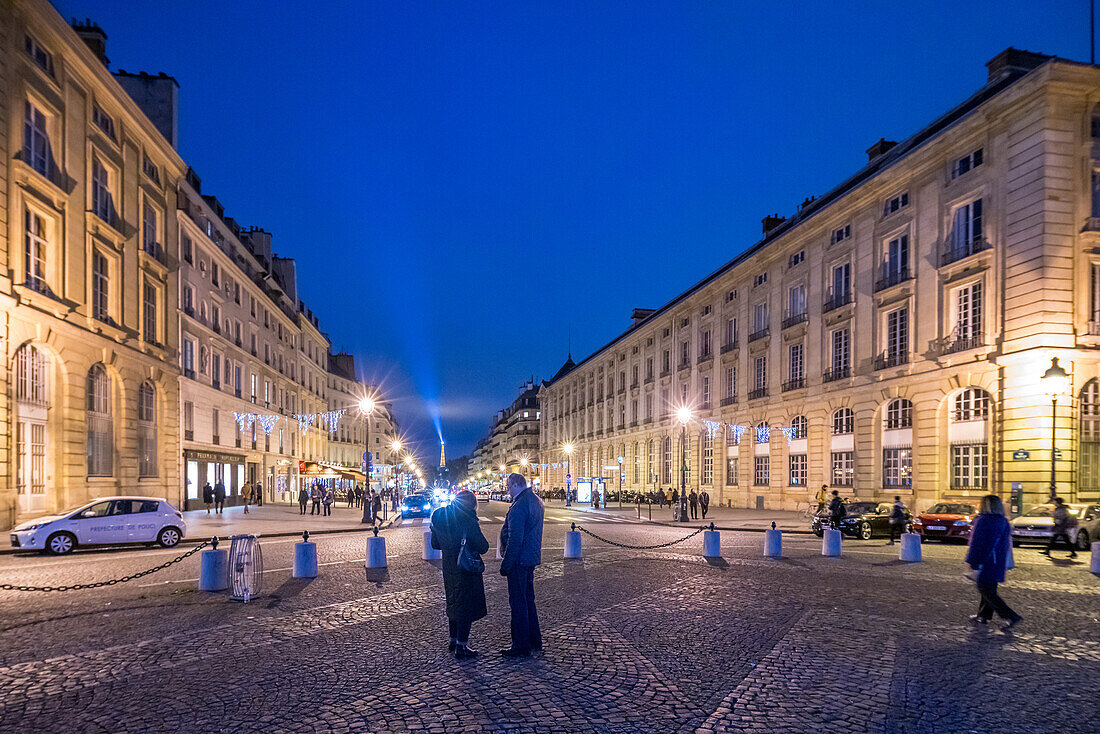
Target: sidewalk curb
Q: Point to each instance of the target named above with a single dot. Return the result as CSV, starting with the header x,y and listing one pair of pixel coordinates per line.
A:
x,y
675,524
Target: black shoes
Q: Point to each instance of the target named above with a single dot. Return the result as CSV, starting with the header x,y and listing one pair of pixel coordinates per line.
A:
x,y
978,620
464,652
1012,623
513,653
451,646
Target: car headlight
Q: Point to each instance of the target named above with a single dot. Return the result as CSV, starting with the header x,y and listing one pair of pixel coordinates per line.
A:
x,y
34,527
960,523
427,507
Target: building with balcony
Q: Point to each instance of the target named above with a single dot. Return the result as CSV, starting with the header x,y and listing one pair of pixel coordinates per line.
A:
x,y
89,383
513,437
898,325
348,442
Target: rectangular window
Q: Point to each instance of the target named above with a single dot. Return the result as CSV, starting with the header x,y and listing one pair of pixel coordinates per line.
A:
x,y
649,407
149,240
842,284
968,312
969,466
684,353
150,169
666,361
189,420
187,355
103,121
843,468
897,334
897,467
731,471
253,393
759,318
103,205
216,371
840,234
36,142
796,258
704,348
214,270
895,203
100,284
706,390
760,279
34,260
796,300
215,421
761,468
731,332
188,250
966,230
967,163
42,58
1094,298
149,312
731,373
797,470
796,368
841,358
896,264
760,373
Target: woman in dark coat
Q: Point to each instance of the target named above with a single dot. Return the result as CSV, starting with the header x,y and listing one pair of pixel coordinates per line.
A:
x,y
990,547
465,591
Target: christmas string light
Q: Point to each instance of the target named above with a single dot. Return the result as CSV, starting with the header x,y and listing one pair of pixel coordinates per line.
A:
x,y
267,422
712,427
763,433
738,431
305,420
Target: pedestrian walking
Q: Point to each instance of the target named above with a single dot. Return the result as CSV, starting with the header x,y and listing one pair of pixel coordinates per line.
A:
x,y
303,499
521,546
836,509
376,507
315,497
693,503
258,495
898,516
821,498
327,500
704,502
219,496
246,496
1063,522
660,497
207,496
988,556
457,534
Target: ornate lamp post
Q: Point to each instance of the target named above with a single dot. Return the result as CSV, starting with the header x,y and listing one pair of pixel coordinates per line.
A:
x,y
683,415
366,407
1055,382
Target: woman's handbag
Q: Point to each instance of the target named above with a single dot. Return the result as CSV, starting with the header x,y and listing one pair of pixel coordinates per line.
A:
x,y
468,561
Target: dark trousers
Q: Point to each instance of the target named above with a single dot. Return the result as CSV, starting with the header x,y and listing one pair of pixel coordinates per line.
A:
x,y
1061,535
705,508
328,509
694,510
992,602
302,507
894,530
316,508
459,630
374,517
526,635
219,505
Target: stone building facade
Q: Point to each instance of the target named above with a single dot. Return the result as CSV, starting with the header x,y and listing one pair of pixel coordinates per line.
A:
x,y
348,442
89,383
888,338
513,437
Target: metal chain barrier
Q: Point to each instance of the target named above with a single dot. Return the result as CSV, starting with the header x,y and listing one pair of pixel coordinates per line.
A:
x,y
638,547
112,582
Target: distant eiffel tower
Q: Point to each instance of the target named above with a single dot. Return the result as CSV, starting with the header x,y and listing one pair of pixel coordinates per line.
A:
x,y
442,456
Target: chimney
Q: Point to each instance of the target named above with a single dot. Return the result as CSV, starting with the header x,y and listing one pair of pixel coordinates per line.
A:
x,y
639,315
771,221
880,148
1013,60
94,36
158,98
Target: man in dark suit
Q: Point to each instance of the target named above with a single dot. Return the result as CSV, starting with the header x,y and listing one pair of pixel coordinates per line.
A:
x,y
521,541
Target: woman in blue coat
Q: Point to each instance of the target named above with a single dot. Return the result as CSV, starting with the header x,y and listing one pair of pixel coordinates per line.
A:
x,y
990,547
465,591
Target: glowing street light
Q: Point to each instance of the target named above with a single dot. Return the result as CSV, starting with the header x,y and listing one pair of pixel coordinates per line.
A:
x,y
1055,382
568,450
366,407
683,415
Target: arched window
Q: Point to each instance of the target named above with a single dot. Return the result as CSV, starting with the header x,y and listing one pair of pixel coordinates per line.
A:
x,y
147,430
100,426
799,426
32,377
1089,474
32,403
666,474
707,443
899,414
844,421
972,404
763,433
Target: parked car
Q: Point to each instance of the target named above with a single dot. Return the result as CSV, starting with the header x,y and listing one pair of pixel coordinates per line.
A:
x,y
1036,525
103,521
482,494
945,521
1088,527
417,505
819,522
864,520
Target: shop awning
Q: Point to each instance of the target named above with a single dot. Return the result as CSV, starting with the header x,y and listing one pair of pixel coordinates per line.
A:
x,y
325,471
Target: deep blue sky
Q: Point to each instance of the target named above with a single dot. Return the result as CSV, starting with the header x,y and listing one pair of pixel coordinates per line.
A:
x,y
462,183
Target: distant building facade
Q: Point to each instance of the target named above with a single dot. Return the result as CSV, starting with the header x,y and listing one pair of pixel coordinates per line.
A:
x,y
513,437
890,337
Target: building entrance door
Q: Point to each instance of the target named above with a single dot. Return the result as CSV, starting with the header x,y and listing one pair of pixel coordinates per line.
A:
x,y
31,439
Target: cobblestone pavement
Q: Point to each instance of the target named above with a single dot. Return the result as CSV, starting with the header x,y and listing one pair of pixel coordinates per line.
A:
x,y
636,641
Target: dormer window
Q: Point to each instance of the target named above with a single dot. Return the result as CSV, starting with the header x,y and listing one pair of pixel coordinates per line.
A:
x,y
42,58
895,204
840,234
103,121
796,258
151,170
967,163
759,280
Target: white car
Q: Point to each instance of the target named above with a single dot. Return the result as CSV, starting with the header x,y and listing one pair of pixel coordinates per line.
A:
x,y
482,494
103,521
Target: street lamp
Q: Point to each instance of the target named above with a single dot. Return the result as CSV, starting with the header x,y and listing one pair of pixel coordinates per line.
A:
x,y
1055,382
568,449
395,447
366,407
620,484
684,416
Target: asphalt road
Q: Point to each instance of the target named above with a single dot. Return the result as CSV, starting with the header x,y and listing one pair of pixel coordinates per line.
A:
x,y
637,641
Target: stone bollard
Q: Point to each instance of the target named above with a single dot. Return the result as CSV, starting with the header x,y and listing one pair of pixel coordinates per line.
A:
x,y
712,543
773,542
214,568
573,542
376,551
305,558
830,542
910,548
1094,564
430,553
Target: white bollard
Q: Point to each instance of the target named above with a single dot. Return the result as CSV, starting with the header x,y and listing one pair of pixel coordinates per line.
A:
x,y
305,560
830,542
910,548
1094,564
573,544
376,552
214,570
430,553
712,544
773,543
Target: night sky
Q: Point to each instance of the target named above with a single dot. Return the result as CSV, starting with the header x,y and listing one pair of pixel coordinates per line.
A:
x,y
466,184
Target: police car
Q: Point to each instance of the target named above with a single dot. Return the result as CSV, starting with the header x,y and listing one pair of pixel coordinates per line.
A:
x,y
103,521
